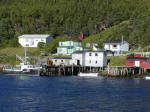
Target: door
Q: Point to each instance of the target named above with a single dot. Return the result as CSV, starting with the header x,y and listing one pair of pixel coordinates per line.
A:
x,y
78,62
137,63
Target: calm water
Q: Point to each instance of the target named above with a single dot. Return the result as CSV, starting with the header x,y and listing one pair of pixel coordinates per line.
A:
x,y
73,94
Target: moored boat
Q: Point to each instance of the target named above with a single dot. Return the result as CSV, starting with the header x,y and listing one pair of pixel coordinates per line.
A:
x,y
147,77
90,74
23,69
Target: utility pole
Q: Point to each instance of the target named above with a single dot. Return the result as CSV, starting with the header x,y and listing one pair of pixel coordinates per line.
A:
x,y
25,55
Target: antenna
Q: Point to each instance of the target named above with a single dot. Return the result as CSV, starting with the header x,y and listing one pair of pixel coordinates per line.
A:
x,y
25,55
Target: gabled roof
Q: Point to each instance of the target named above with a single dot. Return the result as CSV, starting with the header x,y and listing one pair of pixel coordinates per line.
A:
x,y
138,58
114,42
62,58
65,47
78,52
34,36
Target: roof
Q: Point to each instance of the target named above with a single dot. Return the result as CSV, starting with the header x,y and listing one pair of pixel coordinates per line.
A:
x,y
34,36
62,58
114,42
65,47
78,52
138,58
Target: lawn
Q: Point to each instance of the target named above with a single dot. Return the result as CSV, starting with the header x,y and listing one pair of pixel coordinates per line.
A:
x,y
117,60
20,51
8,55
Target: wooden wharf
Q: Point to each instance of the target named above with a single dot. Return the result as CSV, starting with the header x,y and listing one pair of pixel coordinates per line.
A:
x,y
113,71
123,71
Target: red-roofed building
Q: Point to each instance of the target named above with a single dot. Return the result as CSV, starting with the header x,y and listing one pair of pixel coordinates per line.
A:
x,y
135,60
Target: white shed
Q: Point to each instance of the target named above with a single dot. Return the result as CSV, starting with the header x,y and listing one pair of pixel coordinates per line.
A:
x,y
32,40
67,61
90,58
117,47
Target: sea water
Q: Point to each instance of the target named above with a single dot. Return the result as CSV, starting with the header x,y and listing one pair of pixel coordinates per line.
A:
x,y
73,94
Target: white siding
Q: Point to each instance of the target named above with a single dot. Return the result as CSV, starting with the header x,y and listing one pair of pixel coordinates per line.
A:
x,y
33,40
125,47
58,62
99,60
94,61
120,47
76,57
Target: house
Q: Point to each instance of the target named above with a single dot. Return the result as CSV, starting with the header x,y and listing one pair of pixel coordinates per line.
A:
x,y
117,47
135,60
68,47
62,61
32,40
90,58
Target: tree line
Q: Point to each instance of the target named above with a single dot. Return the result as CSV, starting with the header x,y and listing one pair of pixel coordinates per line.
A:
x,y
70,17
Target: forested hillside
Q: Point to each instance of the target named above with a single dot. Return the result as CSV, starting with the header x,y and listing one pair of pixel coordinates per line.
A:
x,y
108,19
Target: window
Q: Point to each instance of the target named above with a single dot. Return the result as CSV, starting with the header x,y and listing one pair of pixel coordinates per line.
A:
x,y
90,61
114,45
90,54
96,54
96,62
61,60
27,45
55,60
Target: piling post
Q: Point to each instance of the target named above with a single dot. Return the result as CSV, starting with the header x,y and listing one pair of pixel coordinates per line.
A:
x,y
72,69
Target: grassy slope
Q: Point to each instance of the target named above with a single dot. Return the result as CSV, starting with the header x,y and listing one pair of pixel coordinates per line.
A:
x,y
19,51
117,60
13,51
110,33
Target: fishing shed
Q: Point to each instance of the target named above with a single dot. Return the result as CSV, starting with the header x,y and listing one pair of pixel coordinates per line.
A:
x,y
135,60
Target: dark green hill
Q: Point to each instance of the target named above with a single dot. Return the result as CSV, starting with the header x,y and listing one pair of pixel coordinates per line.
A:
x,y
109,18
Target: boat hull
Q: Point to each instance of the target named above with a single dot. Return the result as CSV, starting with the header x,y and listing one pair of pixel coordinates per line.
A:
x,y
20,73
147,77
88,74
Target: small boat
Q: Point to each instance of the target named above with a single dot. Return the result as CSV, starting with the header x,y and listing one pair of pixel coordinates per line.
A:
x,y
90,74
23,69
147,77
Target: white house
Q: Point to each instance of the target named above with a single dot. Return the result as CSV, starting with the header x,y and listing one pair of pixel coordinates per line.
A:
x,y
32,40
62,61
90,58
117,47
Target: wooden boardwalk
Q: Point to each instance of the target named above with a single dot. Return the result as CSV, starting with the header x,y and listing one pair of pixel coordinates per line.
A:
x,y
122,71
115,71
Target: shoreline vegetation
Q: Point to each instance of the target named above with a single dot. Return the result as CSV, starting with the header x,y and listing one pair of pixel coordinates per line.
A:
x,y
8,56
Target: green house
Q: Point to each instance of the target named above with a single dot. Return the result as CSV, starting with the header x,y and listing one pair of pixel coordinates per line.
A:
x,y
68,47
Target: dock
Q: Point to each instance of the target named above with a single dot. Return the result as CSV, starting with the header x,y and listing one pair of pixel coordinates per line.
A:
x,y
113,71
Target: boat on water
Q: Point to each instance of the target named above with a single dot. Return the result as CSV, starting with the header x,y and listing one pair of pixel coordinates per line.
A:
x,y
147,77
90,74
23,69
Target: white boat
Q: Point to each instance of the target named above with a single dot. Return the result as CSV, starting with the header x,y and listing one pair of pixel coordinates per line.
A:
x,y
147,77
90,74
23,68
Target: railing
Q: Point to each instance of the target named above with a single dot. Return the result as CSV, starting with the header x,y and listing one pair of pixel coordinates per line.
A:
x,y
20,58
